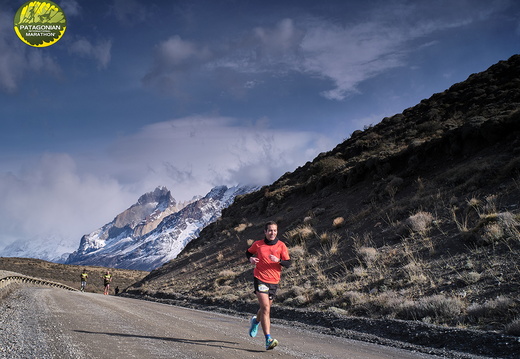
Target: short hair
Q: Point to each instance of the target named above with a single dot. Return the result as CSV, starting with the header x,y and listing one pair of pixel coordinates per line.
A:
x,y
270,223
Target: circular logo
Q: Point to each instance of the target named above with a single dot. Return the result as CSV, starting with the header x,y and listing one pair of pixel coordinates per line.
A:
x,y
40,23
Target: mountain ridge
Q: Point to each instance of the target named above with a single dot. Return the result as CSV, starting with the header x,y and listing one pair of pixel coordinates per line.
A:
x,y
153,230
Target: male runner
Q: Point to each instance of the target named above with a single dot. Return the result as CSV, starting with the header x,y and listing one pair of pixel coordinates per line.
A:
x,y
268,256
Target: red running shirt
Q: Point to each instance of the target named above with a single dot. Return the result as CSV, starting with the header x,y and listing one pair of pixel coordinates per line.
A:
x,y
266,270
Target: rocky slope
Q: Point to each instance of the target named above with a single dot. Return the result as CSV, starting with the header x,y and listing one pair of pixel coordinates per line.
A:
x,y
415,219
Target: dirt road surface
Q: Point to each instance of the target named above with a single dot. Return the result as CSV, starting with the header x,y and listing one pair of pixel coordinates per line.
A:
x,y
54,323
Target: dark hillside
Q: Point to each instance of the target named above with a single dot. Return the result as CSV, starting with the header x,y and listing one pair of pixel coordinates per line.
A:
x,y
415,218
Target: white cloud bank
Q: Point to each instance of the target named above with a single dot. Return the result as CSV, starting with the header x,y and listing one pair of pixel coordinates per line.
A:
x,y
60,197
193,154
51,199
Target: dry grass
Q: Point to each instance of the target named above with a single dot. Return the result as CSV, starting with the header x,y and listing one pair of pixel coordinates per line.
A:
x,y
437,308
397,282
224,280
420,222
300,234
501,307
338,222
400,281
330,243
367,255
241,227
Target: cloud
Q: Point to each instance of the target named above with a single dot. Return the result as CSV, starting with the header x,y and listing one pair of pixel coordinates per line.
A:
x,y
193,154
342,54
176,63
130,12
349,56
317,49
278,45
51,199
100,51
18,60
71,8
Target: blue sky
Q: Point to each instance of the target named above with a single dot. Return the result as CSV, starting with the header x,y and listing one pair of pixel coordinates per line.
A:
x,y
192,94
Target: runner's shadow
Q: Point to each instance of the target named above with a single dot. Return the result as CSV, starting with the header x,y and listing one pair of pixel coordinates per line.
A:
x,y
204,342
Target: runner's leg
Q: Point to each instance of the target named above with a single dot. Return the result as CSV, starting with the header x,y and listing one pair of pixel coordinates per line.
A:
x,y
264,313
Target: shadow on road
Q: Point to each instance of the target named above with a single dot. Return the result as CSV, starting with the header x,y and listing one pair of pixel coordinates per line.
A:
x,y
204,342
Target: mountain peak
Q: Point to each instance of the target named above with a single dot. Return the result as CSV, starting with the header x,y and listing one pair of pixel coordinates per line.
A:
x,y
154,230
147,205
161,194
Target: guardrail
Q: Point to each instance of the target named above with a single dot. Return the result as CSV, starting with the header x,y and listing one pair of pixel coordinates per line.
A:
x,y
21,279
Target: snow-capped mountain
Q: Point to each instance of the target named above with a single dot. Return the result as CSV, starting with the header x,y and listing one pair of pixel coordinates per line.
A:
x,y
50,249
154,230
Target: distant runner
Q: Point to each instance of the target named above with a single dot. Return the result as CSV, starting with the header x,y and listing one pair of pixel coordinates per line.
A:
x,y
107,278
268,256
84,277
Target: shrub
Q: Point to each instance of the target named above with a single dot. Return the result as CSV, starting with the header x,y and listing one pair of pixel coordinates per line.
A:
x,y
493,227
228,273
389,303
471,277
367,255
230,297
360,272
311,261
300,234
300,300
295,296
497,308
225,277
492,233
420,222
6,291
415,273
353,298
297,291
330,243
513,328
393,186
324,238
436,307
297,252
336,289
327,165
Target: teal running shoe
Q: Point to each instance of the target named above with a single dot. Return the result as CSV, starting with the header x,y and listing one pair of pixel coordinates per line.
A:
x,y
253,328
270,344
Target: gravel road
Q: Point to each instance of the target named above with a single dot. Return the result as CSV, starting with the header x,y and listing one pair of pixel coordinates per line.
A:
x,y
37,322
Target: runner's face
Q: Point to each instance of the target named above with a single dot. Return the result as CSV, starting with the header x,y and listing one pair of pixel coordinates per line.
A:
x,y
271,232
